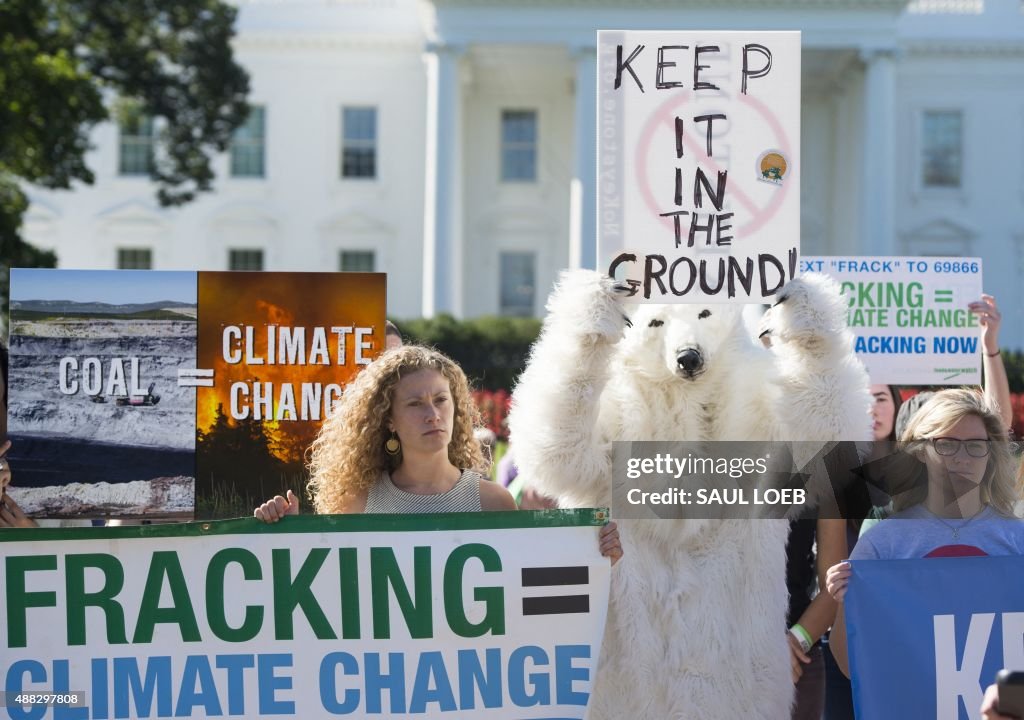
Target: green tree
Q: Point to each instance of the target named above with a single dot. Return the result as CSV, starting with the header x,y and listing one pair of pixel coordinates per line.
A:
x,y
491,350
63,64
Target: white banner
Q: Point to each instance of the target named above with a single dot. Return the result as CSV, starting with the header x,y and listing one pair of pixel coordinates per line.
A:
x,y
483,615
910,316
698,192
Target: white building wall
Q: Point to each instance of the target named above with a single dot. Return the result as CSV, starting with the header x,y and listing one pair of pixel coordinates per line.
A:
x,y
516,216
307,58
817,126
301,214
847,159
985,215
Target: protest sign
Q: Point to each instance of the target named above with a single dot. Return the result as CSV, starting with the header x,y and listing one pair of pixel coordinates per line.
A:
x,y
698,190
119,378
483,615
910,316
927,636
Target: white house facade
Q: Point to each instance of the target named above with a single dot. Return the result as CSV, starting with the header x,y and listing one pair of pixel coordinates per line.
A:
x,y
451,144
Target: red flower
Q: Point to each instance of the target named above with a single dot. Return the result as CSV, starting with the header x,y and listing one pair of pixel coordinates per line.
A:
x,y
493,406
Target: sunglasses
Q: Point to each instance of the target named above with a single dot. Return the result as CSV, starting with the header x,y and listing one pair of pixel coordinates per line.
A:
x,y
951,446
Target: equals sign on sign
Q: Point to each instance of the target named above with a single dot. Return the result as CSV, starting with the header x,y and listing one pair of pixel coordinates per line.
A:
x,y
195,377
556,577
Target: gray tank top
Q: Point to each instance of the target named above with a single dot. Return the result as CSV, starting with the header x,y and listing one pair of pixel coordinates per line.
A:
x,y
384,497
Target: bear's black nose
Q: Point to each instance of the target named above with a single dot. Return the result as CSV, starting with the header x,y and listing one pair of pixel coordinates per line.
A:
x,y
690,361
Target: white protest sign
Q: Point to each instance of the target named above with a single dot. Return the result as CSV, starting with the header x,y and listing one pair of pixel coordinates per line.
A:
x,y
698,191
483,615
910,316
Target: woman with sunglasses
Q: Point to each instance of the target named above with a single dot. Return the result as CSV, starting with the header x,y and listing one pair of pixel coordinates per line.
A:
x,y
959,501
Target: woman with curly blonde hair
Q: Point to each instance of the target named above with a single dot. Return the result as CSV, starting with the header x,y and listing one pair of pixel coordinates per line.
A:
x,y
401,440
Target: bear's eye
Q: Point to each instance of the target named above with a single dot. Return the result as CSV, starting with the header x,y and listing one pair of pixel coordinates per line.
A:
x,y
705,313
655,323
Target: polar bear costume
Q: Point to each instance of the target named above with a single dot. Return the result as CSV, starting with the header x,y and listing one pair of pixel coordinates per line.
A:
x,y
696,625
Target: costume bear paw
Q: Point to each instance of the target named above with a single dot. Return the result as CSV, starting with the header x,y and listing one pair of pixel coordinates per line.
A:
x,y
587,303
808,313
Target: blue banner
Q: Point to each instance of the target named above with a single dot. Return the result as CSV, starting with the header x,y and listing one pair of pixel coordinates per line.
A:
x,y
926,636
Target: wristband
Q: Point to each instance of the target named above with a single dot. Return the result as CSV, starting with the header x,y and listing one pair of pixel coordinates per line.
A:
x,y
802,636
988,354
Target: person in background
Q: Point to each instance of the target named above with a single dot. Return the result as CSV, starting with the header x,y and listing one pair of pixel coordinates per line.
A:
x,y
960,504
838,693
392,337
4,363
909,408
884,411
11,515
507,470
997,387
813,544
5,444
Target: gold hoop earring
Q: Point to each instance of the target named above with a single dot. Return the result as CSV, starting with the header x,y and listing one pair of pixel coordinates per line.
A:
x,y
392,446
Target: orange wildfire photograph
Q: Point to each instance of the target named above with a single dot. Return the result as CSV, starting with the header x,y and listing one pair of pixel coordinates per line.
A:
x,y
279,348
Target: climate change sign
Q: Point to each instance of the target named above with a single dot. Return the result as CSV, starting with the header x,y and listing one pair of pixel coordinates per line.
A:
x,y
910,316
484,615
134,391
698,189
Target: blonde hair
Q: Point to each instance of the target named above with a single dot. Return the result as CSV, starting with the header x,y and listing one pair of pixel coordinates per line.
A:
x,y
944,410
348,455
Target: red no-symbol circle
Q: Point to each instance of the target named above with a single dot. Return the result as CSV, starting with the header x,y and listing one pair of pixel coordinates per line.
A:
x,y
665,115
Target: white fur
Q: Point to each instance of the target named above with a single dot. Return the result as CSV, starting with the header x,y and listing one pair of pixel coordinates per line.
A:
x,y
696,625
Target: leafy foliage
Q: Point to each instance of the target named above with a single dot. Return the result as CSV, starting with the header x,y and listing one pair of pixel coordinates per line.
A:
x,y
491,350
61,60
494,406
237,459
1014,364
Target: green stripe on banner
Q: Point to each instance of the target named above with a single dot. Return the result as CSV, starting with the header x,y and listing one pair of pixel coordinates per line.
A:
x,y
577,517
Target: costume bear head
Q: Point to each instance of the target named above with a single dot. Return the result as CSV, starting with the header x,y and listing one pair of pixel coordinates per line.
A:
x,y
680,342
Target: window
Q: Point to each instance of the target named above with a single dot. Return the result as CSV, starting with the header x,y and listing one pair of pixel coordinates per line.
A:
x,y
359,142
519,145
136,149
134,259
247,145
245,260
357,260
942,132
518,281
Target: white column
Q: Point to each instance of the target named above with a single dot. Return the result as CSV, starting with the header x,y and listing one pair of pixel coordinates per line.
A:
x,y
845,194
582,194
442,226
878,187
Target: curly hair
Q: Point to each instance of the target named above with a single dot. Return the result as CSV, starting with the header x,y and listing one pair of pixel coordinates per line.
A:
x,y
348,454
944,410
